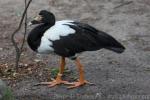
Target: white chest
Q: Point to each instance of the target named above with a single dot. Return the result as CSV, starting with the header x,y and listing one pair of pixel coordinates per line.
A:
x,y
45,46
54,33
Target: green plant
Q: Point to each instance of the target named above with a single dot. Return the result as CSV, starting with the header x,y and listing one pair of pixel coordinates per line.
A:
x,y
8,95
67,72
54,72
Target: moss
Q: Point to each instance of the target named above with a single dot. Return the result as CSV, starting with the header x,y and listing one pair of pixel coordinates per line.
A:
x,y
8,95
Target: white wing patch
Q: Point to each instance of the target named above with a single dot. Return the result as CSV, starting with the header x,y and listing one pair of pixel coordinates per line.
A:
x,y
54,33
65,22
59,29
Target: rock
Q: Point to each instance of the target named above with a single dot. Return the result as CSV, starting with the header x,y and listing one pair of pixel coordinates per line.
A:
x,y
2,88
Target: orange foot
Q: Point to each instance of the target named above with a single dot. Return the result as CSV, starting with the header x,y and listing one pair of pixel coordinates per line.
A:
x,y
78,84
54,83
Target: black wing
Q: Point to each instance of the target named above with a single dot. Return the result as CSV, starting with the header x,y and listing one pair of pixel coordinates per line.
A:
x,y
86,38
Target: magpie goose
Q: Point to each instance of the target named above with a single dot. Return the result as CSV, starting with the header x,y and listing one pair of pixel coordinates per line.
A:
x,y
67,38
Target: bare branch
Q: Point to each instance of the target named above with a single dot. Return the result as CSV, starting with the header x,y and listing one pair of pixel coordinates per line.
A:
x,y
25,29
18,51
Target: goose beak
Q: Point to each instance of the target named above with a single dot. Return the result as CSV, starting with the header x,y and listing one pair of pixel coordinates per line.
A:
x,y
36,20
30,24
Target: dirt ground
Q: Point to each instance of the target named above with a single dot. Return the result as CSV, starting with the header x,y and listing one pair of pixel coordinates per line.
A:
x,y
123,76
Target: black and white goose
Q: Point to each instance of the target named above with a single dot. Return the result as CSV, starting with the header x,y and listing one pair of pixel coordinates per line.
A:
x,y
68,38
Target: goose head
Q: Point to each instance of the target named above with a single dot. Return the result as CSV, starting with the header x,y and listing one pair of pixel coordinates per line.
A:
x,y
44,17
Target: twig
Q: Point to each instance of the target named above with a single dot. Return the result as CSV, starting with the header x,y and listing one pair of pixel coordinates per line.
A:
x,y
123,4
25,29
18,51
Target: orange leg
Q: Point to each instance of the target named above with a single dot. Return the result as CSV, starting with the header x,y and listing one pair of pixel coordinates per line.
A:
x,y
81,80
58,79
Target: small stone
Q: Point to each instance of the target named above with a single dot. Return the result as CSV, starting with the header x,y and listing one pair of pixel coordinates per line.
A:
x,y
6,65
40,74
29,69
22,54
1,49
37,60
15,74
25,65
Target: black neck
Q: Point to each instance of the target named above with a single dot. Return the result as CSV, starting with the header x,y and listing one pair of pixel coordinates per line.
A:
x,y
34,37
